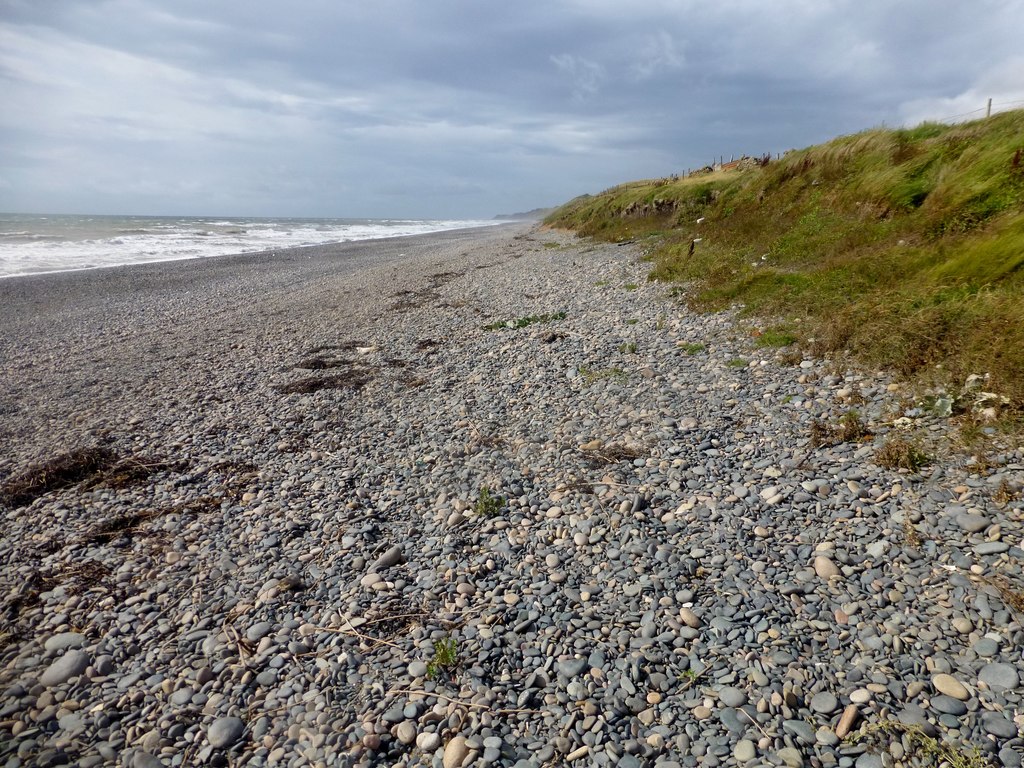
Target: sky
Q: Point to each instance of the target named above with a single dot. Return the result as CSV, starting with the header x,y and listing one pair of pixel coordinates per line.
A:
x,y
457,108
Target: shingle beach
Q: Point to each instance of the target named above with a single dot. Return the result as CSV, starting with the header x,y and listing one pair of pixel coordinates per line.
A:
x,y
479,498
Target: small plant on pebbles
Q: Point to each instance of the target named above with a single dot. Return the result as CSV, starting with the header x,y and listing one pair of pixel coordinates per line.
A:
x,y
446,656
525,321
929,749
911,535
693,349
850,428
591,375
1005,493
488,504
901,453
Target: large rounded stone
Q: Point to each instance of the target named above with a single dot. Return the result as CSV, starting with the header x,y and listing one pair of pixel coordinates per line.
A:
x,y
71,664
455,752
225,731
64,640
825,568
745,751
999,677
950,686
824,702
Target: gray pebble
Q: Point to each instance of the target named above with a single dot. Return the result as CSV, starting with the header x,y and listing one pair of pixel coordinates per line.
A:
x,y
732,697
64,640
225,731
999,724
949,706
824,702
972,523
999,676
71,664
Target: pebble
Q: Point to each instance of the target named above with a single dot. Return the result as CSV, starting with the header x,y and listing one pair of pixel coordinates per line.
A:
x,y
972,523
72,664
950,686
142,759
64,641
732,697
825,568
963,625
393,556
999,725
689,618
428,742
455,752
986,647
824,702
869,760
999,676
948,705
225,732
406,732
791,757
744,751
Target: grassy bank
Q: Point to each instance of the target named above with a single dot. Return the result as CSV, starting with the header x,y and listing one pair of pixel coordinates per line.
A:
x,y
903,248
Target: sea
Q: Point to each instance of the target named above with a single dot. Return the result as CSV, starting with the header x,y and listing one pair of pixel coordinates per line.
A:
x,y
35,243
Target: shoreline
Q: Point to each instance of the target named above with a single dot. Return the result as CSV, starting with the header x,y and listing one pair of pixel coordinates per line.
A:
x,y
258,251
113,312
496,501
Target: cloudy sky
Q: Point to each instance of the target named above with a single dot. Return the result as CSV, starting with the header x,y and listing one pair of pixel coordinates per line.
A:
x,y
456,108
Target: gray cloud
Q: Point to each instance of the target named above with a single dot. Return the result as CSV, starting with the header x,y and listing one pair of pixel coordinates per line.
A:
x,y
455,107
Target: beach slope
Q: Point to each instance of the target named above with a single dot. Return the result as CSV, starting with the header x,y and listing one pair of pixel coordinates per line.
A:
x,y
478,498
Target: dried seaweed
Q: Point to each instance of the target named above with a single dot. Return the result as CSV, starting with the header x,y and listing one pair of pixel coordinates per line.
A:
x,y
57,473
130,523
611,454
348,380
321,363
133,470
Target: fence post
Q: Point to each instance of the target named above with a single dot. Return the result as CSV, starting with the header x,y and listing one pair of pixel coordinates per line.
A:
x,y
988,110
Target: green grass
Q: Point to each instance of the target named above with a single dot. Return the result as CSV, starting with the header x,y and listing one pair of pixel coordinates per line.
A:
x,y
776,337
630,286
737,362
693,349
904,248
628,348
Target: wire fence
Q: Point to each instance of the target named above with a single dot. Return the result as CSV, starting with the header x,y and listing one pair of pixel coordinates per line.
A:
x,y
976,113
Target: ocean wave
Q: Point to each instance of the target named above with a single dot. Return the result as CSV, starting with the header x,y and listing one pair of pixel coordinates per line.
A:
x,y
145,241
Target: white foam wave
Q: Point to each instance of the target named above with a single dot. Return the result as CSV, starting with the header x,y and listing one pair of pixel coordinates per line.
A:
x,y
192,239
